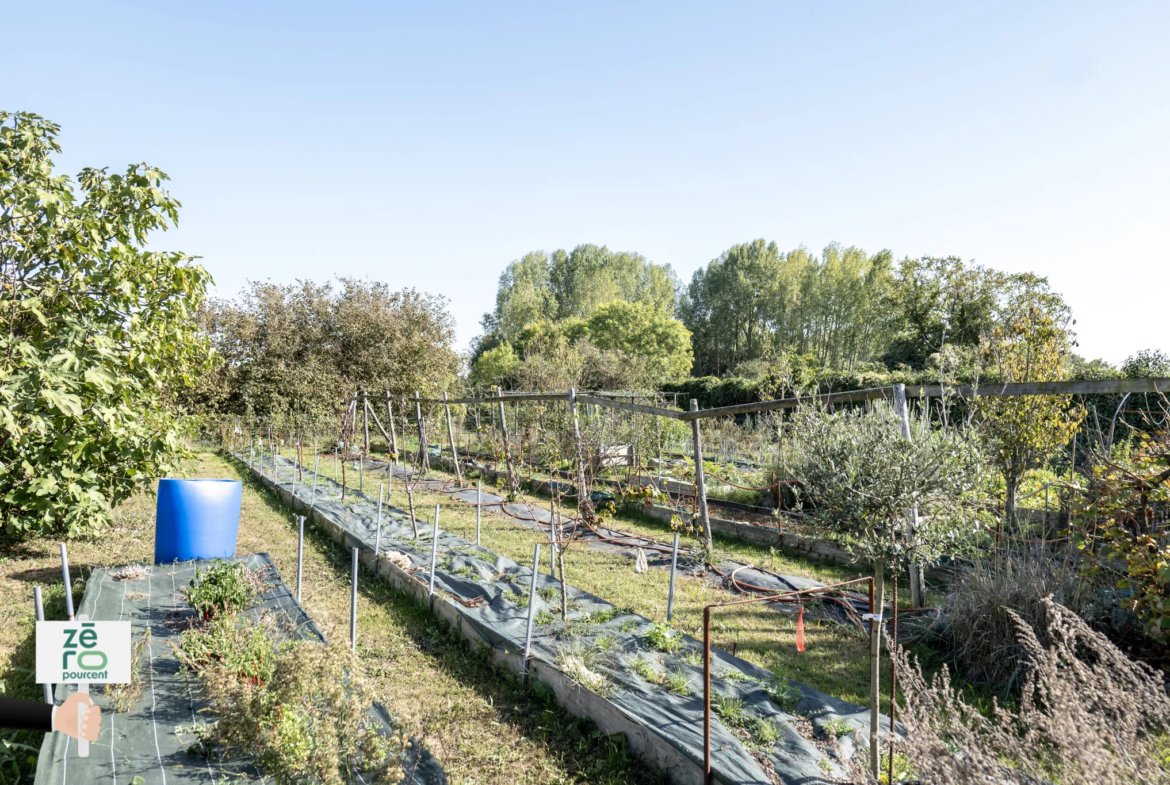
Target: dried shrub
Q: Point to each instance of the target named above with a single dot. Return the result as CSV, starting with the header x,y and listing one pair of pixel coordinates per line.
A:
x,y
123,697
979,637
1087,716
301,713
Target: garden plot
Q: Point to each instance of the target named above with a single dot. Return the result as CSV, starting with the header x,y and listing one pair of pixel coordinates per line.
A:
x,y
603,662
149,742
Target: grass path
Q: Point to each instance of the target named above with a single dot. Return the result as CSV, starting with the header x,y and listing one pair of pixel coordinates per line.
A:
x,y
482,724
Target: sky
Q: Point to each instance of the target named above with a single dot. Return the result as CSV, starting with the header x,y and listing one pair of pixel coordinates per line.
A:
x,y
429,144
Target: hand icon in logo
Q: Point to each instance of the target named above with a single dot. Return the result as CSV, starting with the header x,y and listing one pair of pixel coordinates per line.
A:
x,y
65,717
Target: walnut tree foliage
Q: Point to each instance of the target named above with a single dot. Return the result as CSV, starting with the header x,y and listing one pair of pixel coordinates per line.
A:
x,y
97,334
859,476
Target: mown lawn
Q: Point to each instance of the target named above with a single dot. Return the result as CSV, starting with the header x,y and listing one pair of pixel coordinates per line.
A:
x,y
482,724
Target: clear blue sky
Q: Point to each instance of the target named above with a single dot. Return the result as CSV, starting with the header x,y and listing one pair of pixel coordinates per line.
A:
x,y
428,144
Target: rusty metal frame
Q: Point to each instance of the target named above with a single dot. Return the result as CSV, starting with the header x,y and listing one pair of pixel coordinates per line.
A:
x,y
708,776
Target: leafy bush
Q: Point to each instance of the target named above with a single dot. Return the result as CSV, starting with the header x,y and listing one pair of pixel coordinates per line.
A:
x,y
783,693
224,586
98,335
1120,503
664,638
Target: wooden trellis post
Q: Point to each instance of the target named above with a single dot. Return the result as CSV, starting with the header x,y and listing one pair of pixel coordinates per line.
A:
x,y
424,460
393,435
512,484
451,438
365,424
700,483
584,500
917,585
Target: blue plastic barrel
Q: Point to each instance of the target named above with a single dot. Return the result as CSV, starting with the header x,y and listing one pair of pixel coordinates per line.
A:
x,y
196,519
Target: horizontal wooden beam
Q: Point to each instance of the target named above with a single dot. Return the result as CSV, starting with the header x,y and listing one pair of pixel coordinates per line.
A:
x,y
1071,387
850,396
658,411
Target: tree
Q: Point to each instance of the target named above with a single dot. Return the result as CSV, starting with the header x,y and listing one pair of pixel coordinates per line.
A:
x,y
567,287
589,276
646,335
859,476
1030,346
98,335
523,297
756,303
1147,363
495,367
295,349
941,302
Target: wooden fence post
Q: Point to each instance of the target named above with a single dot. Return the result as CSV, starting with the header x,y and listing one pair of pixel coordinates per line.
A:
x,y
700,483
365,424
917,587
513,486
393,435
424,459
451,438
584,499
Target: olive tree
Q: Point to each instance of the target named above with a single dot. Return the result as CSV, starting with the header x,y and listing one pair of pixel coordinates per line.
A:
x,y
859,476
98,334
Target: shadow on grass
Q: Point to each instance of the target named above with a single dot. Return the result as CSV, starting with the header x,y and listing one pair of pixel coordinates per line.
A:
x,y
19,748
575,743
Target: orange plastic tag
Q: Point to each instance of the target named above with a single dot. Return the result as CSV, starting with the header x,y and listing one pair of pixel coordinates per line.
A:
x,y
800,631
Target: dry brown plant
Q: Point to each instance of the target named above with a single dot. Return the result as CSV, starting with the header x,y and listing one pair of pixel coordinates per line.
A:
x,y
1088,715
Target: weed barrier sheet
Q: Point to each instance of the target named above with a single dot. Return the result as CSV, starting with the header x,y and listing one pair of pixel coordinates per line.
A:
x,y
490,592
148,744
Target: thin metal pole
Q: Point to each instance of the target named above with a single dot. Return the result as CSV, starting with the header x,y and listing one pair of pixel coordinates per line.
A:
x,y
353,602
531,605
378,536
361,475
707,778
434,554
875,642
673,569
39,601
300,552
68,582
478,508
334,464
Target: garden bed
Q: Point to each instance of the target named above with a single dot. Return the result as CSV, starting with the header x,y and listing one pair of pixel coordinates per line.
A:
x,y
151,740
600,663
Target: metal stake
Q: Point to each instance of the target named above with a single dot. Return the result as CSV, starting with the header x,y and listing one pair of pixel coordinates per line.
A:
x,y
300,552
353,603
478,508
434,554
673,569
68,582
531,605
39,601
378,536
